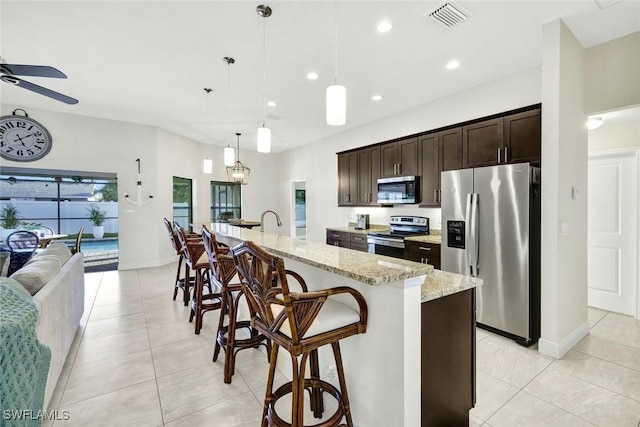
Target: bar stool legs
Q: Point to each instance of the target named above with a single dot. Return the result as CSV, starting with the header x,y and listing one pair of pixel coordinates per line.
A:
x,y
314,385
184,283
226,336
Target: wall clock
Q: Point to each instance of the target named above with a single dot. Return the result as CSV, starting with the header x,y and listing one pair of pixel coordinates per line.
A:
x,y
23,139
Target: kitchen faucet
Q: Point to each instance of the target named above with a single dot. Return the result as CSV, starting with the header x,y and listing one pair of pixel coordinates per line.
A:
x,y
262,219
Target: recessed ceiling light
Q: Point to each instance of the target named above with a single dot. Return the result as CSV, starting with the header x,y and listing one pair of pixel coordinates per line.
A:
x,y
312,75
594,123
452,65
384,26
271,103
376,97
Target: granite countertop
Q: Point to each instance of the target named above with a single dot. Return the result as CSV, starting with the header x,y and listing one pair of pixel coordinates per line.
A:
x,y
368,268
431,238
351,229
439,284
364,267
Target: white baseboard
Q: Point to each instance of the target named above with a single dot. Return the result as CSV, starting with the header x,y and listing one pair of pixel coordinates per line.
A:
x,y
558,350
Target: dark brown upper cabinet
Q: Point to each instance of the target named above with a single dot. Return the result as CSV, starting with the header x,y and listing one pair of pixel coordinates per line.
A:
x,y
438,151
522,137
347,179
399,158
514,138
482,143
368,174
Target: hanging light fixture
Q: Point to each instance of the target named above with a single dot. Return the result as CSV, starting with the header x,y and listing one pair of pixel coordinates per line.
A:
x,y
207,164
229,155
238,172
264,133
336,94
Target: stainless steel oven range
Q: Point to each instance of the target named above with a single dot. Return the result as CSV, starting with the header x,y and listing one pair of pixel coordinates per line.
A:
x,y
391,243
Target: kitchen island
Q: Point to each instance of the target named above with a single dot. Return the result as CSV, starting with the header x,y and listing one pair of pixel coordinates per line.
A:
x,y
383,366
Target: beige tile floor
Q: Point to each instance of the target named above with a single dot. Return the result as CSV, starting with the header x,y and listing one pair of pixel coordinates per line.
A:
x,y
136,362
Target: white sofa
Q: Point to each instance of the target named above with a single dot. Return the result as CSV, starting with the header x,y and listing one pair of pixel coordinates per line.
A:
x,y
60,303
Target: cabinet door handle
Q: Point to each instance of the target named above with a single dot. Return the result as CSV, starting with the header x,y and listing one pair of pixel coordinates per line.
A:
x,y
439,196
505,154
422,248
399,168
498,155
435,195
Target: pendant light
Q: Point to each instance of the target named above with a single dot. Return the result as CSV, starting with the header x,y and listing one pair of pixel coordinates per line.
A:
x,y
238,172
229,155
207,164
336,94
264,133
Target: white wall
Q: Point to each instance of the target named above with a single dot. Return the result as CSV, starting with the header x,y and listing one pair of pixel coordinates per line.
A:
x,y
620,129
564,160
317,162
89,144
612,73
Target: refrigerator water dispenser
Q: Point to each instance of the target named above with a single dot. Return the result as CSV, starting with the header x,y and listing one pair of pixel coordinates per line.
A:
x,y
455,234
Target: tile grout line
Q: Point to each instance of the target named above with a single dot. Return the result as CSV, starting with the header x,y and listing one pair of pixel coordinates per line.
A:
x,y
153,362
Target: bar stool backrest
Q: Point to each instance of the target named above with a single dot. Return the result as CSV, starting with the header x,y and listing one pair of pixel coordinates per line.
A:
x,y
221,264
264,283
173,236
192,251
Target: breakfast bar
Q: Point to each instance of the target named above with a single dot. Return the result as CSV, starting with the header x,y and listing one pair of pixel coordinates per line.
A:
x,y
397,347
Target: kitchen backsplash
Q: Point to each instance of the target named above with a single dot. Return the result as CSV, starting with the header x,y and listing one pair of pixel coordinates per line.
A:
x,y
379,215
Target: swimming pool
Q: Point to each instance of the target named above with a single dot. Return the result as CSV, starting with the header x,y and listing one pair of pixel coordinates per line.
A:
x,y
101,245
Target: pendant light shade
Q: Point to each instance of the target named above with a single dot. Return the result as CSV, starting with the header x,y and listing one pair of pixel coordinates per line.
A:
x,y
264,140
207,166
239,172
336,105
264,133
229,156
336,94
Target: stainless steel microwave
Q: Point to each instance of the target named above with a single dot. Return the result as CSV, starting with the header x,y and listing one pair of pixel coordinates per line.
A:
x,y
398,190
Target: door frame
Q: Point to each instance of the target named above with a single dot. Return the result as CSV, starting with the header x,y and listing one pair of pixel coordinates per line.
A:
x,y
292,214
633,152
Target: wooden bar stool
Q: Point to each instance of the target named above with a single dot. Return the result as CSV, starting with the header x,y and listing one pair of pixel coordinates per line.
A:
x,y
222,272
299,322
197,260
180,282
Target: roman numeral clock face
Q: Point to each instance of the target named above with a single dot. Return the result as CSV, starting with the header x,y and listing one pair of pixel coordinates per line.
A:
x,y
23,139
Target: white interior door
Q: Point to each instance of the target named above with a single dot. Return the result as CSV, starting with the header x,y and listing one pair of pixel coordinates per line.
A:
x,y
613,231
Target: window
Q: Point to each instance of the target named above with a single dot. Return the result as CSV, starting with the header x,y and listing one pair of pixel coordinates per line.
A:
x,y
182,201
225,201
60,202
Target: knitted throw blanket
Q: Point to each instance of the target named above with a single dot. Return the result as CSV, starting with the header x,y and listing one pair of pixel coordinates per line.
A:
x,y
24,361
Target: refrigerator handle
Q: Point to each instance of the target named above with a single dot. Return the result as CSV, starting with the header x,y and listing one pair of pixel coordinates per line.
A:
x,y
471,230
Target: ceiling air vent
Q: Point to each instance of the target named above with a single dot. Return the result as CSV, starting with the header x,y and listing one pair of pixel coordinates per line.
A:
x,y
448,14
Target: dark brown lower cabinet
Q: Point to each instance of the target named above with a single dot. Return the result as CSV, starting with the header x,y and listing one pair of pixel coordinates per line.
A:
x,y
345,239
426,253
448,364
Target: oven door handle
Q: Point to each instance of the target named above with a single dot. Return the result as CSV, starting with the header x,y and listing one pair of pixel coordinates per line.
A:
x,y
384,241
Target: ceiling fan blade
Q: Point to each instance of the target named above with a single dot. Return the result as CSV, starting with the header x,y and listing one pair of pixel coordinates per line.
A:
x,y
32,70
39,89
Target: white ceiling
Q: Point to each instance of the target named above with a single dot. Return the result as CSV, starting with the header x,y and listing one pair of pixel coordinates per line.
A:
x,y
148,62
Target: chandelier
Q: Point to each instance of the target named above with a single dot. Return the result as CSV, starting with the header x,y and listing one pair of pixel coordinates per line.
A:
x,y
239,172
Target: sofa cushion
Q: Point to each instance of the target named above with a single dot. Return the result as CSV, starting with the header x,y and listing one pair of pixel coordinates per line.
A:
x,y
36,274
57,249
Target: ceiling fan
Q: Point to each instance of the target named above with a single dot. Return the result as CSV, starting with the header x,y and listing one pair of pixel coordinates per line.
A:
x,y
8,73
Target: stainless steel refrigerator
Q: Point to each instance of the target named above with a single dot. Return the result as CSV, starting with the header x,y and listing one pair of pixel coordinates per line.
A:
x,y
491,230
